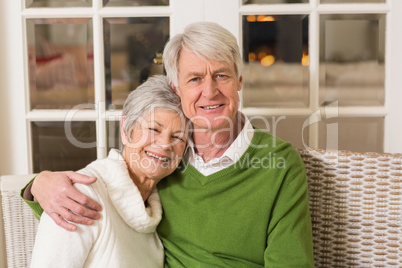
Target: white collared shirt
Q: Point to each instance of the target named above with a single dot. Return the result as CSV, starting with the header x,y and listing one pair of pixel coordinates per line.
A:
x,y
231,155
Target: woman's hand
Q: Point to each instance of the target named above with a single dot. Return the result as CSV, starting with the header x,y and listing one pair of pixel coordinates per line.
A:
x,y
62,202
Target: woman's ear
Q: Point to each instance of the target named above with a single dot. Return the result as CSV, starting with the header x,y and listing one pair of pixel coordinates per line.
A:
x,y
123,134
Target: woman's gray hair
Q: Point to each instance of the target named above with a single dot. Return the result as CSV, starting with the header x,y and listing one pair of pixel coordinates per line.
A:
x,y
208,40
155,93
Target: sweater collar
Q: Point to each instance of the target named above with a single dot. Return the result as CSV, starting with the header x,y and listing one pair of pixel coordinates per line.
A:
x,y
127,198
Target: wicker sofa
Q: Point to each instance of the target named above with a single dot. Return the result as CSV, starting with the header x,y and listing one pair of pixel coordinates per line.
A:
x,y
356,208
355,203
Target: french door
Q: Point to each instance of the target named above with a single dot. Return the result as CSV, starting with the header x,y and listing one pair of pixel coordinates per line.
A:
x,y
317,73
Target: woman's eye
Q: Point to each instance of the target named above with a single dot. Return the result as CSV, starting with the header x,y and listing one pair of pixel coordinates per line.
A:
x,y
153,129
179,138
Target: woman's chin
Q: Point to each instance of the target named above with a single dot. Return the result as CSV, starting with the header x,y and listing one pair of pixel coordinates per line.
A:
x,y
158,172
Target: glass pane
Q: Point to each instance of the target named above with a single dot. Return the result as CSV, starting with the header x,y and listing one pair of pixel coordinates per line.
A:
x,y
287,128
113,135
350,1
352,53
276,59
114,3
56,147
58,3
133,51
248,2
355,134
60,62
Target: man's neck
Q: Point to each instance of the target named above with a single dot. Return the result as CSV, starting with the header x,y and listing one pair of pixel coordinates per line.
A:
x,y
211,144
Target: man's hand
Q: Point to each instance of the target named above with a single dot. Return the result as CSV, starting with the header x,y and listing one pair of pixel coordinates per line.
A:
x,y
62,202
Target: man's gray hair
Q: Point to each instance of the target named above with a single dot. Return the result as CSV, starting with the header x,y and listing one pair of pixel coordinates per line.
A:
x,y
155,93
208,40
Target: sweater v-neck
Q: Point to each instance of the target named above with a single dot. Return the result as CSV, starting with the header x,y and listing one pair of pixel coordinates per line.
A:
x,y
242,162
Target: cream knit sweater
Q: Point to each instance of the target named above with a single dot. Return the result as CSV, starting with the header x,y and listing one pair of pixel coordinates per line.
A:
x,y
125,235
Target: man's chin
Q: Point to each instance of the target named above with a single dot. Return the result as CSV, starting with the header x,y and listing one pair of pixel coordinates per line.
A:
x,y
215,126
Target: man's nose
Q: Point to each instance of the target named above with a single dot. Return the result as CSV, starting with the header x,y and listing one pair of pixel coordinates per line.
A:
x,y
210,88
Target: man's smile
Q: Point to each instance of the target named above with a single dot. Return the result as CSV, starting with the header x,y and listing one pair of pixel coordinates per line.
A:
x,y
211,106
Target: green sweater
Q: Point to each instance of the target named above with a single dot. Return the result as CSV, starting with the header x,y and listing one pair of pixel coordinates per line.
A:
x,y
252,214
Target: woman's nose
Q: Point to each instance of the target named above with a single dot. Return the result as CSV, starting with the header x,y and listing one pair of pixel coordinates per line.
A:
x,y
164,142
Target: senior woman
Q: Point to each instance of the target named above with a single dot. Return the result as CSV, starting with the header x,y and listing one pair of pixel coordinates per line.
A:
x,y
153,131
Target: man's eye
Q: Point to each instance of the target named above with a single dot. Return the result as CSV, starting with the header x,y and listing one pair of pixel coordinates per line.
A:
x,y
221,76
195,79
153,129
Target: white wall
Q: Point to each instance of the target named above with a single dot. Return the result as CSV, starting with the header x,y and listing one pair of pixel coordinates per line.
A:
x,y
12,119
13,143
2,120
3,86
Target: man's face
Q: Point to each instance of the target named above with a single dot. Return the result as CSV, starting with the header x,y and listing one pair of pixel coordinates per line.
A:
x,y
208,91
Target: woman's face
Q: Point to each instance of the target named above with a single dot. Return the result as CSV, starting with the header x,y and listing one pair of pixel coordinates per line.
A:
x,y
156,145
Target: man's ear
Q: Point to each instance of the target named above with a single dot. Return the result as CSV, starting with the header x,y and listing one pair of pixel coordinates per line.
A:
x,y
240,83
175,89
123,134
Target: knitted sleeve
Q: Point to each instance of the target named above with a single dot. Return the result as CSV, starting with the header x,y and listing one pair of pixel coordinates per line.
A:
x,y
57,247
290,242
36,208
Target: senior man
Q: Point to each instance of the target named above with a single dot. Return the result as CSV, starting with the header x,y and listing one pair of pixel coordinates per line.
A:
x,y
239,197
